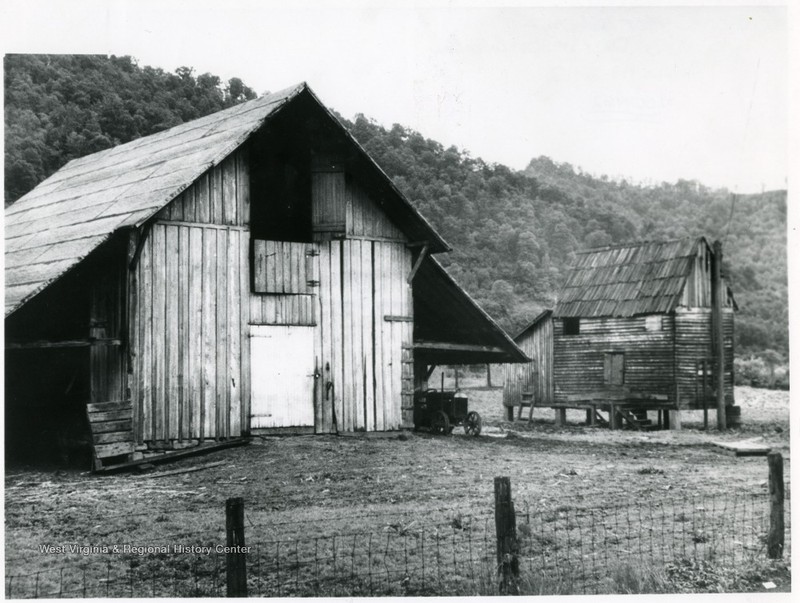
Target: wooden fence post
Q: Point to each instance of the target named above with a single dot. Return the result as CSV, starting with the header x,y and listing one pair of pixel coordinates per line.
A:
x,y
506,529
776,528
235,561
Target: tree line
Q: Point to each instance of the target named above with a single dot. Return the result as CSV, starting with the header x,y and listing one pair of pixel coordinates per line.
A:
x,y
514,233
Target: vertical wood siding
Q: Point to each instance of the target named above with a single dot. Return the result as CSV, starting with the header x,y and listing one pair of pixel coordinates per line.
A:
x,y
579,359
328,203
365,219
284,267
693,343
220,196
536,376
188,362
367,358
697,291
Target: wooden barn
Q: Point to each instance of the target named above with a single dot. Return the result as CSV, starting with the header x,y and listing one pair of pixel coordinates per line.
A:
x,y
634,329
250,270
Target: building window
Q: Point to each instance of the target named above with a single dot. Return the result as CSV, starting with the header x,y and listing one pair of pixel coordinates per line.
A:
x,y
572,326
614,368
652,323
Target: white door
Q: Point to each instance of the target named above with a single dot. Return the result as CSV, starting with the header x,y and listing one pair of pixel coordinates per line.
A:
x,y
282,376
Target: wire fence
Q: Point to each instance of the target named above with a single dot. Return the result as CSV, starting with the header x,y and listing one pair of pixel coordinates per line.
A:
x,y
561,548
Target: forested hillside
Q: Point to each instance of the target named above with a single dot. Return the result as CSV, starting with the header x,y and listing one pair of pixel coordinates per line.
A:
x,y
514,233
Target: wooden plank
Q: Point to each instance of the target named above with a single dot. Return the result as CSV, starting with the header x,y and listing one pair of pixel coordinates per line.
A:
x,y
243,185
229,200
172,332
111,426
348,389
234,380
215,183
744,448
337,333
202,199
111,437
377,334
209,321
244,290
222,406
367,334
110,415
195,358
324,417
107,406
184,338
116,449
160,338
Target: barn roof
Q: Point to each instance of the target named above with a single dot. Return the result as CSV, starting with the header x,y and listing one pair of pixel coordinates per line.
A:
x,y
544,314
55,226
625,280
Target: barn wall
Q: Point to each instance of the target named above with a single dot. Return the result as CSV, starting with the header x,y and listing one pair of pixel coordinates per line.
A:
x,y
365,218
578,360
693,343
536,376
221,196
190,380
366,357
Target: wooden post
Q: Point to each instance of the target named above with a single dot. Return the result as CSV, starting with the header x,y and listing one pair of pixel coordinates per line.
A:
x,y
510,413
776,528
236,560
719,337
488,375
506,529
561,417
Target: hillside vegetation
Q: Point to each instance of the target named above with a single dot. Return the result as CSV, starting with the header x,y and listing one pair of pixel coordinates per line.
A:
x,y
514,233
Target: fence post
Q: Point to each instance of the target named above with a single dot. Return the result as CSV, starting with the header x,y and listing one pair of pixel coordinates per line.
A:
x,y
506,529
236,575
776,529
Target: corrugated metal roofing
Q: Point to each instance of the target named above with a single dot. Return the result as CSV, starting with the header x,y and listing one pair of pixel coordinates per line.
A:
x,y
52,228
642,278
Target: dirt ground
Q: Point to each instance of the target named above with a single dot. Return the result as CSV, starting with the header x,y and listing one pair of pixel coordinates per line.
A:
x,y
331,484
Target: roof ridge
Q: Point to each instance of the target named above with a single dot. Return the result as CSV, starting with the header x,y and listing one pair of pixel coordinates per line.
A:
x,y
638,244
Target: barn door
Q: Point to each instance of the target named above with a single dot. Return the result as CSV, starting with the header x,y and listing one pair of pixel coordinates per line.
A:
x,y
282,376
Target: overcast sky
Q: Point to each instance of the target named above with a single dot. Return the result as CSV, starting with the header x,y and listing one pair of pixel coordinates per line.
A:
x,y
649,94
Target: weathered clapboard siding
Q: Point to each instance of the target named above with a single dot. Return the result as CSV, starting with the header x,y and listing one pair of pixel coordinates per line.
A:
x,y
535,377
579,359
693,343
284,267
220,196
188,375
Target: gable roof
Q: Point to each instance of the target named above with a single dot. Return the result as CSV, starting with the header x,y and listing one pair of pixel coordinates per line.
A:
x,y
641,278
544,314
55,226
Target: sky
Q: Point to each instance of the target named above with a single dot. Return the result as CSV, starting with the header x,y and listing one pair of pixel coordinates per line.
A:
x,y
649,94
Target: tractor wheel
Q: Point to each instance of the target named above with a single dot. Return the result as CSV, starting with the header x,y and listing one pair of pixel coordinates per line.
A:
x,y
472,424
440,424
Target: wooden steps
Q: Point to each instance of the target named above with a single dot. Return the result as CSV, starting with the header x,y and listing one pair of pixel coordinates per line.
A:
x,y
111,425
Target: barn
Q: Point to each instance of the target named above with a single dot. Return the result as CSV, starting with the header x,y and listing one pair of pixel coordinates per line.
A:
x,y
250,271
633,330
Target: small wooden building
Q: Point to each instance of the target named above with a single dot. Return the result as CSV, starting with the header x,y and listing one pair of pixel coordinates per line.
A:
x,y
250,270
632,326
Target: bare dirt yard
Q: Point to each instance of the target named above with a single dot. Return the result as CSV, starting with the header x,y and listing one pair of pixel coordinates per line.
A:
x,y
340,503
